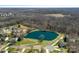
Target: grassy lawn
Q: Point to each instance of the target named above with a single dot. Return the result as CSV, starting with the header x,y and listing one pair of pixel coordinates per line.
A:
x,y
33,42
25,41
12,49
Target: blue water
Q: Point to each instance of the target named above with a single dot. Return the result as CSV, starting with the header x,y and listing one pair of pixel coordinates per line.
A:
x,y
45,35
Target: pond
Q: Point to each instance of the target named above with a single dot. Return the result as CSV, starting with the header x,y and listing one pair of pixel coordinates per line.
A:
x,y
45,35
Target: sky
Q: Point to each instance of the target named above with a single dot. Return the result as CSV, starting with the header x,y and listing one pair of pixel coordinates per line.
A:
x,y
39,3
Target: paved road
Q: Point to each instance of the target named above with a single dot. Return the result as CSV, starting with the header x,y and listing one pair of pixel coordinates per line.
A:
x,y
4,46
